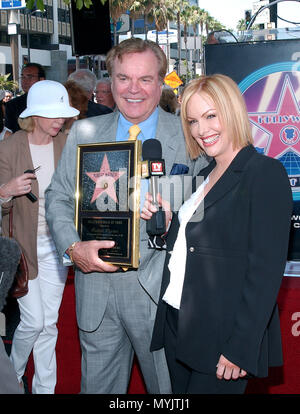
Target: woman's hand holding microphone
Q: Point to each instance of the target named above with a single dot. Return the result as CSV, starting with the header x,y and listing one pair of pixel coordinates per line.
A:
x,y
149,208
17,186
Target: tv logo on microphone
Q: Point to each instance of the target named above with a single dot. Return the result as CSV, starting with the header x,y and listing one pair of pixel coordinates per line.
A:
x,y
157,168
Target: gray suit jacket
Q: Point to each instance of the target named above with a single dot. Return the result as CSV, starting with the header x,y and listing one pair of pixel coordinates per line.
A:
x,y
92,289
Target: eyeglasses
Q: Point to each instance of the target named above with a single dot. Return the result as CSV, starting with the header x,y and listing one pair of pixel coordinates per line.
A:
x,y
29,77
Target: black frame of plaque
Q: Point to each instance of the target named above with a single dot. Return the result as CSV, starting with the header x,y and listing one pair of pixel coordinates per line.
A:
x,y
100,216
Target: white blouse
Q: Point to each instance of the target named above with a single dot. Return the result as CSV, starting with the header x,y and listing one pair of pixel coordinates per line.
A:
x,y
178,256
43,156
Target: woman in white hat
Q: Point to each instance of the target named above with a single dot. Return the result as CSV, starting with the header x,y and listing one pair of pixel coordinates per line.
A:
x,y
36,148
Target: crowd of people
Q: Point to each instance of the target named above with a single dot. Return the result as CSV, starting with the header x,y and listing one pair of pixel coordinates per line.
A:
x,y
200,313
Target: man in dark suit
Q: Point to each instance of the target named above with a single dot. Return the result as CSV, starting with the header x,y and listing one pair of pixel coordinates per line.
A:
x,y
31,73
87,80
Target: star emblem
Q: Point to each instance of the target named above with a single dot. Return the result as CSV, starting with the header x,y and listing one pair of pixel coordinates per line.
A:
x,y
278,131
105,181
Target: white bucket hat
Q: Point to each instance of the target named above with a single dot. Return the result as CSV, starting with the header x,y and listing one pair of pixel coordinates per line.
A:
x,y
48,99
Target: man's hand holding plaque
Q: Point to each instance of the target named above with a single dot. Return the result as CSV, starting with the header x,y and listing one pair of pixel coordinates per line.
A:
x,y
85,256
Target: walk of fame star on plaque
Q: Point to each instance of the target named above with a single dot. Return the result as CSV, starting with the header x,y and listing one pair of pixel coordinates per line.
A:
x,y
108,198
105,181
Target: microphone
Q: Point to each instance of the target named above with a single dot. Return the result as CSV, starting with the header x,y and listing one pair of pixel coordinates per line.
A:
x,y
30,195
153,166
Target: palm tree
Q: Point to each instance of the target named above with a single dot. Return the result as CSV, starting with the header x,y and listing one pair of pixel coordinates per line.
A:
x,y
162,12
136,9
5,83
162,20
203,14
117,8
212,24
195,20
185,16
242,25
156,10
147,6
202,23
178,6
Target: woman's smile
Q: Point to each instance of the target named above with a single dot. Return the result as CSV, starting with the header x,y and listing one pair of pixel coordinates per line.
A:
x,y
210,140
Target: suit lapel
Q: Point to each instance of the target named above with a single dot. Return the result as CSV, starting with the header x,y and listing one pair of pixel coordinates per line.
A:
x,y
230,177
225,184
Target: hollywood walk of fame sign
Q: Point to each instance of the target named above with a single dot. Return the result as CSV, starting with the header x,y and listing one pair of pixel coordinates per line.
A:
x,y
108,198
273,102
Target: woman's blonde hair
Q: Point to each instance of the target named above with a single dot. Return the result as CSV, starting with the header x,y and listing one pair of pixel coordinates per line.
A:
x,y
230,107
27,124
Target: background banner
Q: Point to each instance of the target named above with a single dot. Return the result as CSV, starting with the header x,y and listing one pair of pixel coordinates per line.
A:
x,y
268,74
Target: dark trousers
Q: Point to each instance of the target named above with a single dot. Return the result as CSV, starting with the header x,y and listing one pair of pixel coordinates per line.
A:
x,y
185,380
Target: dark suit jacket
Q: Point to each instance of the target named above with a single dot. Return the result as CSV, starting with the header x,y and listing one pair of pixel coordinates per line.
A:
x,y
13,108
95,109
236,256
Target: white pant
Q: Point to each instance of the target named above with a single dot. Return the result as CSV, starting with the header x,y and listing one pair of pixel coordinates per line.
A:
x,y
38,317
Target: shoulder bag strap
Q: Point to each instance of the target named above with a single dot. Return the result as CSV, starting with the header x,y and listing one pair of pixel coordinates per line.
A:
x,y
11,222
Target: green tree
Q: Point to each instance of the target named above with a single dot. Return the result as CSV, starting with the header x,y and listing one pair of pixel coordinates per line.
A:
x,y
177,6
39,4
136,9
242,25
7,84
185,16
116,9
211,24
195,20
161,13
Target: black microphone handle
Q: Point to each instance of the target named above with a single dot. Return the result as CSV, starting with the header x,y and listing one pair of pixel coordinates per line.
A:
x,y
31,197
156,226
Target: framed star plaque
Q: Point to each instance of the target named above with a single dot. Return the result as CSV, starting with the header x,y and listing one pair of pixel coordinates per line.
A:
x,y
108,198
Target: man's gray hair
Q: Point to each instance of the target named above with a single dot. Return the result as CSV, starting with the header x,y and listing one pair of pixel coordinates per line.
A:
x,y
85,78
107,81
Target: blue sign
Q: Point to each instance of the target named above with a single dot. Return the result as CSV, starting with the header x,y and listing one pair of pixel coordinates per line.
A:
x,y
12,4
